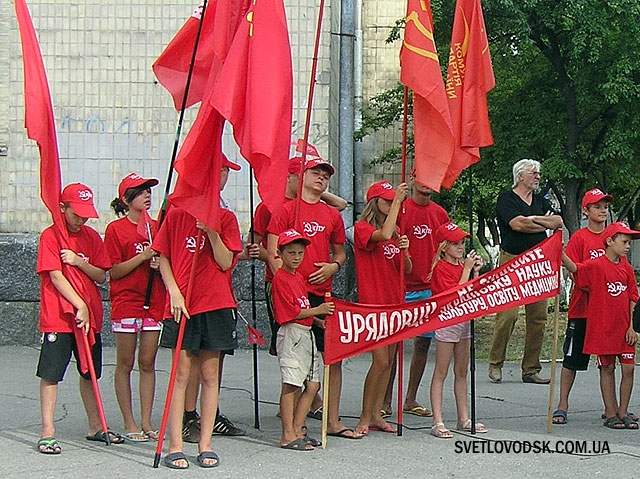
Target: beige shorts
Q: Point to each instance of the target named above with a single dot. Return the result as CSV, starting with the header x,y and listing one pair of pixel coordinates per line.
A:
x,y
297,354
455,333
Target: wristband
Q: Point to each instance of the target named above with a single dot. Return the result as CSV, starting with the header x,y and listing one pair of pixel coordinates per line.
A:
x,y
338,263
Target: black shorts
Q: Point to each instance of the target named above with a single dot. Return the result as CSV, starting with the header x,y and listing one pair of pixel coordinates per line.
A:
x,y
55,354
318,332
574,358
210,331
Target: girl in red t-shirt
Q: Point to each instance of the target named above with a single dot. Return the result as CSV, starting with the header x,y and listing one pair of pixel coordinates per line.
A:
x,y
133,260
450,269
378,251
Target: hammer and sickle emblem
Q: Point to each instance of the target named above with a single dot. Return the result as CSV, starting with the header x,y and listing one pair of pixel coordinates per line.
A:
x,y
414,18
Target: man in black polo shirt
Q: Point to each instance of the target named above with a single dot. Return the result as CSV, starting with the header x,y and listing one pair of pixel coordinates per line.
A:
x,y
523,219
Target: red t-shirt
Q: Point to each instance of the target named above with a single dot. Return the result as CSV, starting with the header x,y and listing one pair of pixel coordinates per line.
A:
x,y
290,297
176,240
377,267
261,220
611,287
445,276
419,223
123,242
322,225
88,245
583,246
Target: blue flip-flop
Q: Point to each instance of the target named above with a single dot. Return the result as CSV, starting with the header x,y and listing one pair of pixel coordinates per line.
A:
x,y
169,460
562,415
208,455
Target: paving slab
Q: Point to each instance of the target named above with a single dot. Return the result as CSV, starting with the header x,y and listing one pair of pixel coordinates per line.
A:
x,y
515,414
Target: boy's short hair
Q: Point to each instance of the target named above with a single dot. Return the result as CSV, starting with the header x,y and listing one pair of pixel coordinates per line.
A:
x,y
593,196
619,227
291,236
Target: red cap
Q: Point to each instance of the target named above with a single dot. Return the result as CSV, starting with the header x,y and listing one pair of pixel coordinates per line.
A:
x,y
230,164
294,165
319,162
382,189
134,180
289,236
591,197
80,197
617,228
450,232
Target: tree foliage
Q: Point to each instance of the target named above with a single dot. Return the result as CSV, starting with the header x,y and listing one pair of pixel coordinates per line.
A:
x,y
567,93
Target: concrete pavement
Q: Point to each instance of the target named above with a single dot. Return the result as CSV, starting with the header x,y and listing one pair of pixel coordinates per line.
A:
x,y
515,414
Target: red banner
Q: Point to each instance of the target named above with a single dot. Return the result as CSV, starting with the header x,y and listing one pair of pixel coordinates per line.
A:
x,y
533,276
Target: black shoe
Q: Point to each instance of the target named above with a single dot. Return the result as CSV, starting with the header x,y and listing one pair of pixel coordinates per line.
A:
x,y
224,427
191,431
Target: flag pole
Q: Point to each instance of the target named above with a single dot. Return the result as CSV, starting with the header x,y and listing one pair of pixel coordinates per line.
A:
x,y
325,395
176,142
307,123
96,388
472,352
256,392
554,356
400,360
176,356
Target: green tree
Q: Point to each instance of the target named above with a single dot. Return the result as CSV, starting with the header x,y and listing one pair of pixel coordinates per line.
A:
x,y
567,93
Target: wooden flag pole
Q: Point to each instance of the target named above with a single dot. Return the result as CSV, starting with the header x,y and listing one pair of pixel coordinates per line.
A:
x,y
554,354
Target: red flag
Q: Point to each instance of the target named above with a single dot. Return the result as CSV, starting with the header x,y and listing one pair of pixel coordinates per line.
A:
x,y
420,71
199,161
145,226
38,116
255,337
311,150
254,92
469,79
40,125
172,66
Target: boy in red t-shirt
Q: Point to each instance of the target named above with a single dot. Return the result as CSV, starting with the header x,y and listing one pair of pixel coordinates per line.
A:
x,y
584,245
211,313
85,252
297,353
613,293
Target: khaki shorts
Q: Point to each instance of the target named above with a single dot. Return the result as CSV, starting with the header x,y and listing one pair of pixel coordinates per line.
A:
x,y
297,354
455,333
